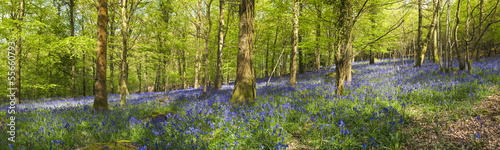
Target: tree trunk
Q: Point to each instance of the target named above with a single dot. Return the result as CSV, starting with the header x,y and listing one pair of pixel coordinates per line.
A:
x,y
423,43
198,51
467,39
435,44
18,52
220,48
461,63
301,54
36,74
481,2
73,59
101,99
330,60
266,72
84,82
419,36
317,54
293,55
94,67
183,56
124,67
139,76
111,55
244,89
343,52
275,46
207,37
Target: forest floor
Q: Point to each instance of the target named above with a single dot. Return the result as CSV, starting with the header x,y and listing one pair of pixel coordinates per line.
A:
x,y
478,127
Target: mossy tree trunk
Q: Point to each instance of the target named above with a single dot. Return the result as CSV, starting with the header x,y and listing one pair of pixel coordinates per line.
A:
x,y
343,53
244,88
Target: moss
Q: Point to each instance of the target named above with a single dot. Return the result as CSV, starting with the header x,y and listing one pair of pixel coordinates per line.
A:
x,y
331,74
155,114
484,111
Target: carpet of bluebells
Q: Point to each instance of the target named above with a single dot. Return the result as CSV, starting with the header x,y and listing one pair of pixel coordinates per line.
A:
x,y
373,113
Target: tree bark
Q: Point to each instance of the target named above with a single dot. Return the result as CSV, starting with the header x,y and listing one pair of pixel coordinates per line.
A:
x,y
419,36
481,3
72,33
423,43
435,34
317,54
343,51
220,48
111,55
274,45
207,37
36,74
101,99
461,63
244,89
198,51
18,52
124,68
467,39
293,55
301,62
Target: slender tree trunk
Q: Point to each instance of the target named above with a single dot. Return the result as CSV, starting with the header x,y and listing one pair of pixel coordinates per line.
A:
x,y
183,56
36,74
481,3
467,39
73,59
18,52
207,37
111,55
101,99
461,63
84,81
293,56
157,78
266,74
124,66
139,76
373,27
166,72
349,63
275,39
420,42
317,54
283,71
94,68
330,60
244,89
198,51
220,48
447,64
435,39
